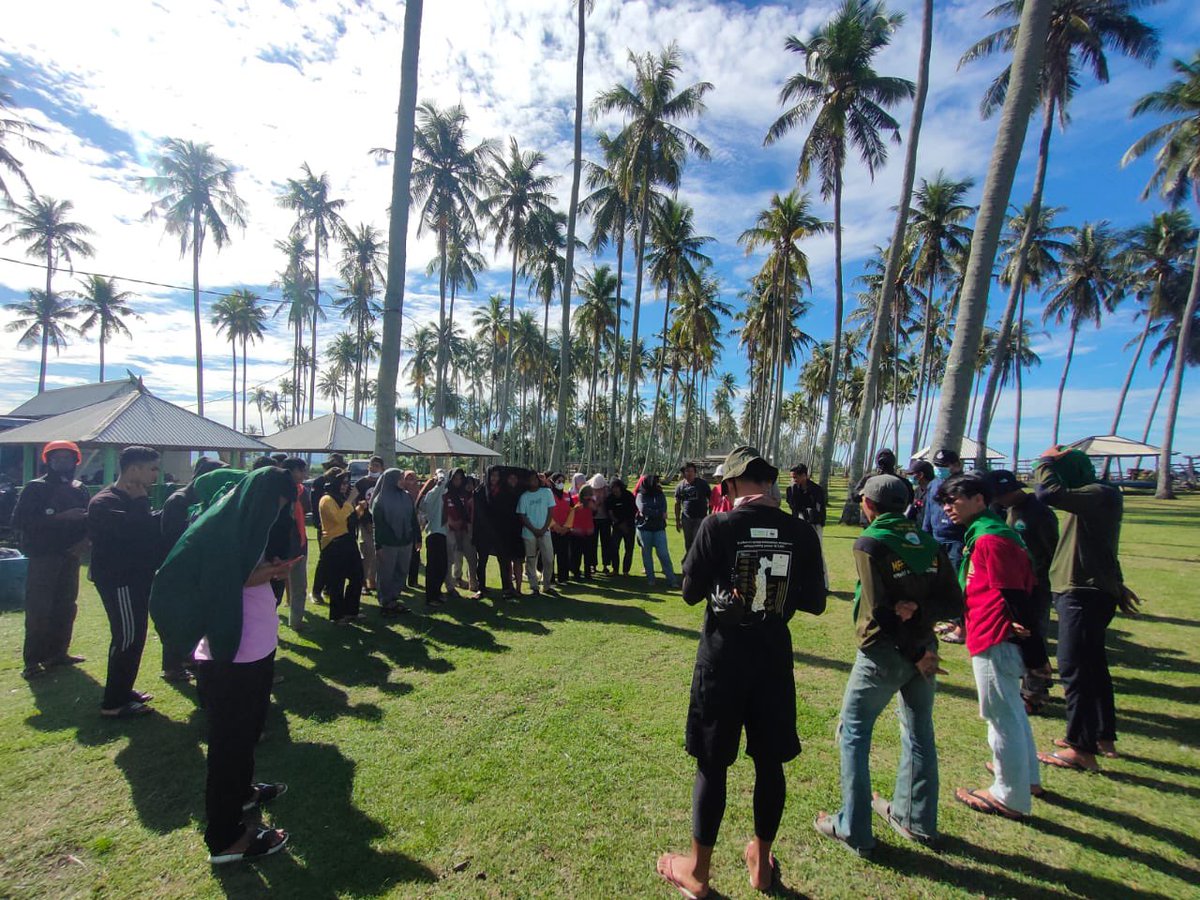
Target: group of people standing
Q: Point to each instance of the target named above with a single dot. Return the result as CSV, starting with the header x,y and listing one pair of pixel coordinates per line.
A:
x,y
755,567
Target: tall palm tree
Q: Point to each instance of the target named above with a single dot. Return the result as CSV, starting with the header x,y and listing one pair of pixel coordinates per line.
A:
x,y
104,309
492,330
847,102
330,386
423,342
393,298
447,178
43,225
517,192
361,268
696,333
1088,287
939,237
1079,34
653,152
224,318
786,221
295,284
1176,175
43,319
15,131
197,197
260,397
989,221
1157,259
462,264
596,321
316,212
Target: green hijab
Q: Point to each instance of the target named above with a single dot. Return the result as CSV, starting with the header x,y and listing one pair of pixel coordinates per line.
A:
x,y
986,522
211,486
902,536
198,590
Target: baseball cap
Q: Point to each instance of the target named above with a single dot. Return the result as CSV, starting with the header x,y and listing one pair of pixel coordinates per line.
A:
x,y
887,492
885,458
921,467
748,462
1004,482
945,457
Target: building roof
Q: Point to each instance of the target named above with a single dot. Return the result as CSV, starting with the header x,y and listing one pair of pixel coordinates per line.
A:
x,y
966,451
133,418
331,433
61,400
1113,445
440,441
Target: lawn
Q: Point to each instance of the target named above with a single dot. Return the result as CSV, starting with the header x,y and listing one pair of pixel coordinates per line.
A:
x,y
535,750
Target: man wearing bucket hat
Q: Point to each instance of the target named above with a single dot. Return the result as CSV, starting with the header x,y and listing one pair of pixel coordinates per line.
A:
x,y
753,567
51,516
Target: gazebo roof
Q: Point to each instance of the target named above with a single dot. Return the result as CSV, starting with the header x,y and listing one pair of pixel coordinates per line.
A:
x,y
60,400
966,451
1113,445
136,417
331,433
441,441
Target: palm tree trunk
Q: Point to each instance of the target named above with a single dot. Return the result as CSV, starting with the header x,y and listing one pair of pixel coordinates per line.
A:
x,y
1137,356
244,382
1164,491
637,310
1062,382
838,307
439,402
1162,384
616,363
233,399
662,359
975,406
923,373
102,354
785,333
312,377
196,241
1002,338
505,401
1016,453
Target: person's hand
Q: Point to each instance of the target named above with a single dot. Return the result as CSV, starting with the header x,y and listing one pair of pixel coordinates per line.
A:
x,y
1129,602
678,526
906,609
361,506
75,514
1020,630
928,666
269,570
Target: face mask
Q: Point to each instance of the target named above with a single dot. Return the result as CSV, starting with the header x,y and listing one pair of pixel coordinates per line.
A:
x,y
941,471
558,485
63,466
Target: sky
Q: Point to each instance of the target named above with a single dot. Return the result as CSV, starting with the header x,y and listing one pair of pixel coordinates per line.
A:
x,y
273,84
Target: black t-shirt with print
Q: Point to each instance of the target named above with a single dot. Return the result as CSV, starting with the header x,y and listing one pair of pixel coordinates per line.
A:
x,y
693,497
772,558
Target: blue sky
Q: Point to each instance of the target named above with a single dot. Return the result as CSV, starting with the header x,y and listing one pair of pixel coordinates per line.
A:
x,y
274,84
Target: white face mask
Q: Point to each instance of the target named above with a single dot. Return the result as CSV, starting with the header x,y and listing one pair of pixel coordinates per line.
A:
x,y
558,485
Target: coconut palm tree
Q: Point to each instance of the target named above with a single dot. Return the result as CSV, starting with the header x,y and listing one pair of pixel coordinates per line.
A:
x,y
423,342
43,225
15,131
653,152
260,397
1088,287
224,318
1176,175
295,284
104,309
316,212
1079,34
330,386
393,298
596,321
361,269
197,197
492,330
240,316
42,319
847,102
447,179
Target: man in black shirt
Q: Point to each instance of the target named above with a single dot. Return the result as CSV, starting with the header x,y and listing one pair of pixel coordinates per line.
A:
x,y
754,567
51,516
807,501
885,464
691,504
126,551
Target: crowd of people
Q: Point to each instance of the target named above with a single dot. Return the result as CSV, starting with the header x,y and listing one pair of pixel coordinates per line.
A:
x,y
970,558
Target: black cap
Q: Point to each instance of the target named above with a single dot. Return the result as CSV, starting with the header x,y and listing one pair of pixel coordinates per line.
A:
x,y
1004,482
746,461
945,457
921,467
885,459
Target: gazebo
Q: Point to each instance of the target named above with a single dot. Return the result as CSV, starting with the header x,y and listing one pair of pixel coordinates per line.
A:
x,y
441,441
1112,446
967,451
331,433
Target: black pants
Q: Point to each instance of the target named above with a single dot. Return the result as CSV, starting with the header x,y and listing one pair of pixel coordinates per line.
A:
x,y
623,535
436,562
604,536
235,696
708,800
414,565
320,580
343,576
506,581
1083,617
583,554
128,611
690,527
562,556
51,592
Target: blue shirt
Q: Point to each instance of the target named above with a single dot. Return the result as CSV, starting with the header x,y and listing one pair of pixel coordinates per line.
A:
x,y
535,506
935,520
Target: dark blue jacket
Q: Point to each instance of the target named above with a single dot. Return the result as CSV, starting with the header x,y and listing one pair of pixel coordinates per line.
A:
x,y
936,522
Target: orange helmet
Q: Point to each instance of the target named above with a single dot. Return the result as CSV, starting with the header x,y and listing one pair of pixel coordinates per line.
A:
x,y
62,445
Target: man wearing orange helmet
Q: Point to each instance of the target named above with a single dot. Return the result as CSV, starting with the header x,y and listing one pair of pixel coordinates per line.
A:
x,y
51,516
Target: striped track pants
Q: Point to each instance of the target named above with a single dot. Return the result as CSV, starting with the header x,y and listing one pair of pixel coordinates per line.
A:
x,y
128,610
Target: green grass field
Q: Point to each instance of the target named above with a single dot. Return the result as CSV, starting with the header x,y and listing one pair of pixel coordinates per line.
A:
x,y
535,750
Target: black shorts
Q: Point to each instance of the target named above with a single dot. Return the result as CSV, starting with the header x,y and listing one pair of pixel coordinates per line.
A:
x,y
746,681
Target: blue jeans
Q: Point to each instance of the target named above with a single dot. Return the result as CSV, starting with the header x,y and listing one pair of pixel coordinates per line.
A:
x,y
879,673
656,542
998,671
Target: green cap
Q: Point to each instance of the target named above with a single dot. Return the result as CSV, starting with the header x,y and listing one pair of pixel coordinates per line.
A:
x,y
747,462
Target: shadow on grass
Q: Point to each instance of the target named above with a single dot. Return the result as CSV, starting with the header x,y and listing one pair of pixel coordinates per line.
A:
x,y
1136,824
1114,849
1168,620
1156,690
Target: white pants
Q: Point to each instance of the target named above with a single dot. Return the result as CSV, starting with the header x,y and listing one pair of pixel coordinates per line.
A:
x,y
534,546
998,672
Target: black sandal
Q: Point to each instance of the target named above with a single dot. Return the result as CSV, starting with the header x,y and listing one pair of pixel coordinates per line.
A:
x,y
260,846
264,794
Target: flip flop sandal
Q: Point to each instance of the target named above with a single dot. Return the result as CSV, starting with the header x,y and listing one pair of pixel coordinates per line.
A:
x,y
259,847
1035,790
131,710
669,877
883,809
981,804
1061,762
264,794
824,825
140,696
951,638
1107,754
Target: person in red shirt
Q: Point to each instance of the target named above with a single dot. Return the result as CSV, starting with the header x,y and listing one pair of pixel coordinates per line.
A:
x,y
1000,629
581,526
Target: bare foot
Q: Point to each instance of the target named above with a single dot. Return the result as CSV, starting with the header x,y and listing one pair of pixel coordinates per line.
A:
x,y
1107,748
680,871
759,864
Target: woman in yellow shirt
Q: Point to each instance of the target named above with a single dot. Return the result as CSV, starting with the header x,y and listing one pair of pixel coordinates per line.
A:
x,y
340,558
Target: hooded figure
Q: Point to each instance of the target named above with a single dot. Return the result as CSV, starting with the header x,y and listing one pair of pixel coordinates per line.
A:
x,y
198,590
